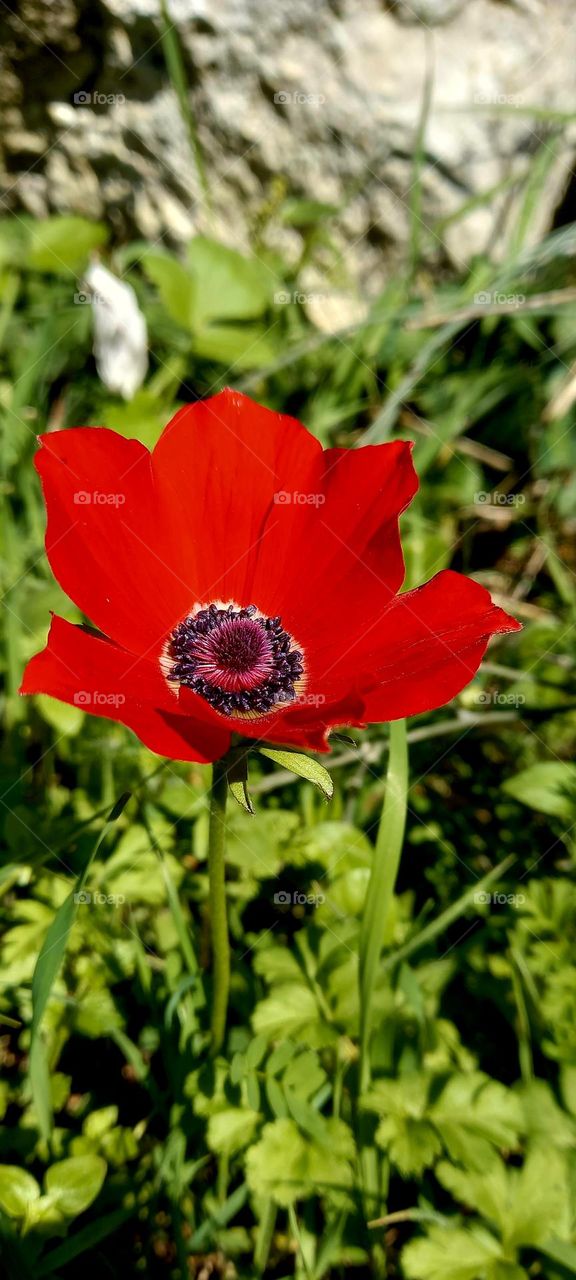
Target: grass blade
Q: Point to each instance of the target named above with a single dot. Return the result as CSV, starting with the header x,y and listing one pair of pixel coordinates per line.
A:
x,y
45,973
382,881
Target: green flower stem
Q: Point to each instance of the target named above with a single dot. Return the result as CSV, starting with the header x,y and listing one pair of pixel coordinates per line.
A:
x,y
217,901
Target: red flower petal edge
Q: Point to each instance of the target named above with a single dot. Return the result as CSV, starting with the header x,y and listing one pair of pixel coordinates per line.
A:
x,y
244,580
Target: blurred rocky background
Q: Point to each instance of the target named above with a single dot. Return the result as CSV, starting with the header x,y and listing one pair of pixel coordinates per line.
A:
x,y
389,113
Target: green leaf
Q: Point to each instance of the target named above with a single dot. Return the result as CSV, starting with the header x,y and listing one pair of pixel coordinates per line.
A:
x,y
73,1184
228,285
66,720
239,791
99,1122
451,1255
306,213
287,1011
475,1114
260,849
246,346
561,1251
17,1190
548,787
339,846
64,244
303,767
527,1205
237,776
406,1135
175,285
288,1167
231,1130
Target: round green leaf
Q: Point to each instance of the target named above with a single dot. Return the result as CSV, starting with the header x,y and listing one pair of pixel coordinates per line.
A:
x,y
73,1184
17,1190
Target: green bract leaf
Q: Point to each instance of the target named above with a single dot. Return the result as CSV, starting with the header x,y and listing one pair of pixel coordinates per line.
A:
x,y
238,782
241,795
304,767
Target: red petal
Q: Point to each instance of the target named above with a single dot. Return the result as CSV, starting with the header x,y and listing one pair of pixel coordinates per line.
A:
x,y
105,537
96,675
304,727
422,650
221,465
344,544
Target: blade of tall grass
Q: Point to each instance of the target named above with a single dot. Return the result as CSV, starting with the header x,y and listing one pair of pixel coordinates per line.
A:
x,y
381,885
45,973
177,73
417,224
452,913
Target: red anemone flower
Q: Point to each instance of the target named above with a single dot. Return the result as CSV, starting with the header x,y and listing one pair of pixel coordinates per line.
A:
x,y
244,580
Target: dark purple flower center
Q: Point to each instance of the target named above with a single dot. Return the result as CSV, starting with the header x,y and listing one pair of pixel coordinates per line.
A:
x,y
239,661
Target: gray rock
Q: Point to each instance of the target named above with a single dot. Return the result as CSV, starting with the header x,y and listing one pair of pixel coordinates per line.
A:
x,y
320,101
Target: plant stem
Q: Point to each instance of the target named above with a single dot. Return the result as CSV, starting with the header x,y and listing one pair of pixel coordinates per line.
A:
x,y
217,900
